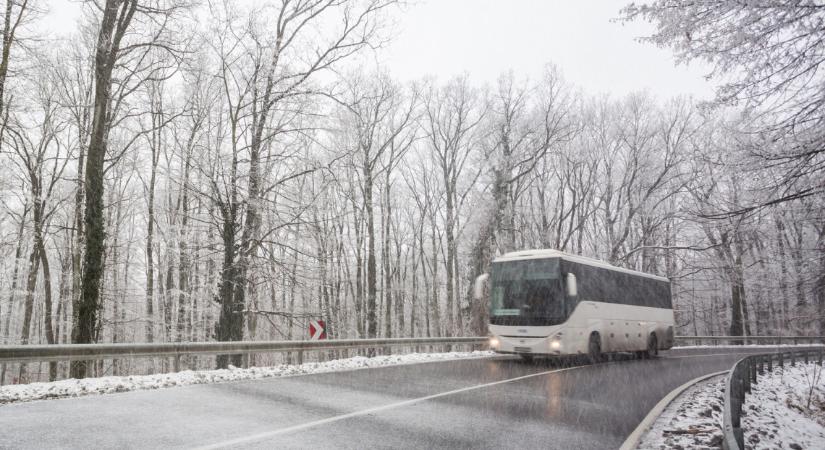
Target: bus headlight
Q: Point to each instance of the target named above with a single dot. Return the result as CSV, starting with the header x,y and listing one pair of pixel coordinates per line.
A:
x,y
555,341
494,342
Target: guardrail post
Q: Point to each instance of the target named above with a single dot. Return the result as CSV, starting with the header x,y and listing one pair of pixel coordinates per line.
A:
x,y
176,367
793,359
739,434
737,400
761,366
806,357
753,372
770,363
300,357
756,371
736,396
820,357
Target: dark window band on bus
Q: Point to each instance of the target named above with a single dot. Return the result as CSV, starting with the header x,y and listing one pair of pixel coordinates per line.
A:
x,y
613,286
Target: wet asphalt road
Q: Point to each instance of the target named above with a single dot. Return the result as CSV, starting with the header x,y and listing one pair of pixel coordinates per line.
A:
x,y
483,403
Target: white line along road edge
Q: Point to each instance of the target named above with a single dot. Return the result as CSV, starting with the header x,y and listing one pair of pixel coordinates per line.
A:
x,y
303,426
635,438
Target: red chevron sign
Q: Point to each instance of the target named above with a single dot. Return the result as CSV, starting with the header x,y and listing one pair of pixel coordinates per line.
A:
x,y
317,330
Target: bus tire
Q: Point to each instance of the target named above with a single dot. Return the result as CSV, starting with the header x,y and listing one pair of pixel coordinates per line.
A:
x,y
652,347
594,348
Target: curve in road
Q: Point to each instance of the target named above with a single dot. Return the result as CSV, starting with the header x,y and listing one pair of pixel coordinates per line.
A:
x,y
482,403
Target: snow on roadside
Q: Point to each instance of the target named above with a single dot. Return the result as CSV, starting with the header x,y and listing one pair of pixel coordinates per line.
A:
x,y
786,409
776,413
106,385
691,420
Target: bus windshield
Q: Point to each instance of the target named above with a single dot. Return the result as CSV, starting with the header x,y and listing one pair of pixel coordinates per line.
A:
x,y
527,292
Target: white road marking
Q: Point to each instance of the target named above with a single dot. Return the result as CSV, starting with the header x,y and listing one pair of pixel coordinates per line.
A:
x,y
303,426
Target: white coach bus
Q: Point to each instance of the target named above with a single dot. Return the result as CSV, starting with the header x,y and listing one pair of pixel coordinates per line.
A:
x,y
546,302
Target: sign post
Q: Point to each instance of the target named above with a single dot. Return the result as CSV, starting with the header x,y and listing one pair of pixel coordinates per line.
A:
x,y
317,330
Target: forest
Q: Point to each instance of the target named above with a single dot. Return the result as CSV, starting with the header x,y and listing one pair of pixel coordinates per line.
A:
x,y
180,170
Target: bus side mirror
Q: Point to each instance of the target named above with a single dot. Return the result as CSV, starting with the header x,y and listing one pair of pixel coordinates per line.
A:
x,y
480,284
572,288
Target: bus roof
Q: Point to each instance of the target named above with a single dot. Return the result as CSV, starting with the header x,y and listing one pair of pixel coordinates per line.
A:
x,y
549,253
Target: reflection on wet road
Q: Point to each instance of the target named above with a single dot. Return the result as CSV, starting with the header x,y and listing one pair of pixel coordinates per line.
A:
x,y
488,403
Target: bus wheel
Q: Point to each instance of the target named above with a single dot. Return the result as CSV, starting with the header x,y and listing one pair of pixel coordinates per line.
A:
x,y
652,347
526,358
594,348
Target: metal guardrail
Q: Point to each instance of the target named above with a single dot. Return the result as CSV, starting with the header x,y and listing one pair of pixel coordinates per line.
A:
x,y
742,376
80,352
86,352
751,340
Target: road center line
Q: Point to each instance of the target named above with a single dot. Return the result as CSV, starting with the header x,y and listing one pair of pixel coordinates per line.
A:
x,y
303,426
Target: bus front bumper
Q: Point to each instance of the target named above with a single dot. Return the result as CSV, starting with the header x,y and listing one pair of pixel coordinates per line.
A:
x,y
554,344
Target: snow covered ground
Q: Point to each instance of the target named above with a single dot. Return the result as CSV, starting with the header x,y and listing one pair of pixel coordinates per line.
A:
x,y
107,385
776,413
786,409
693,419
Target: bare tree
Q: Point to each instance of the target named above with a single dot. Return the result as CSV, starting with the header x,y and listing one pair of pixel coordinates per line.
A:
x,y
525,130
380,119
41,158
451,122
112,48
768,56
16,14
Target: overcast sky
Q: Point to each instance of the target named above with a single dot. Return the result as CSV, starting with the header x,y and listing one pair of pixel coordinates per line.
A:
x,y
487,37
484,38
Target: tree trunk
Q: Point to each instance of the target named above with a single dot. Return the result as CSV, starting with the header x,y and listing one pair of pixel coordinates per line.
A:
x,y
112,28
435,308
372,320
448,262
230,322
385,259
47,313
31,284
18,253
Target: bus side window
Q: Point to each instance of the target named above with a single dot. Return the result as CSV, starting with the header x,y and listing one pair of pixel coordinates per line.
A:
x,y
571,285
